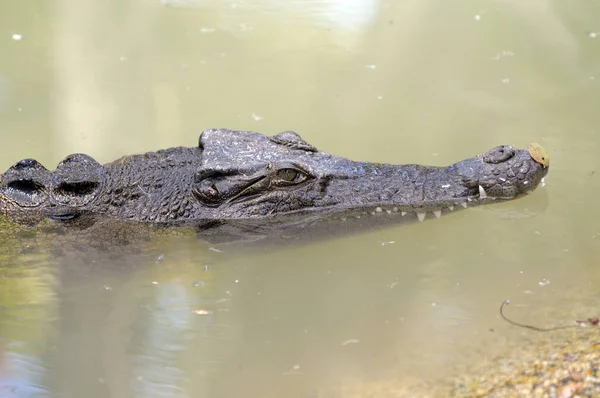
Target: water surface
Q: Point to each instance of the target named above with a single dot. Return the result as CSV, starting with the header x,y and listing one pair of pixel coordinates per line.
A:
x,y
153,315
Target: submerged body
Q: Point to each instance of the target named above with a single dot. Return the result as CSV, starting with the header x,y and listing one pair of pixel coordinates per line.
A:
x,y
246,176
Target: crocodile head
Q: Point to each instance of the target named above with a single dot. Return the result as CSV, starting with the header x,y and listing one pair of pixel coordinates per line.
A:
x,y
249,175
240,175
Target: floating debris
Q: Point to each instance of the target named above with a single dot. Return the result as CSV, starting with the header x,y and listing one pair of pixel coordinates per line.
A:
x,y
589,321
539,154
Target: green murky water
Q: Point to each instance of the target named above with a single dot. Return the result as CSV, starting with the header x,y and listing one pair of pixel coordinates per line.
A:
x,y
376,313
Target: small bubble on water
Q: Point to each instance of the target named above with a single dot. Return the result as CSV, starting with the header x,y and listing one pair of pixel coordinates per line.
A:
x,y
433,304
207,30
371,67
237,281
106,287
477,17
256,117
593,35
350,341
154,282
198,284
159,259
380,97
544,282
502,54
16,37
506,80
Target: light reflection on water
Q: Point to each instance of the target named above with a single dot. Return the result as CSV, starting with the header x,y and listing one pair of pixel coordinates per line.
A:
x,y
407,82
349,14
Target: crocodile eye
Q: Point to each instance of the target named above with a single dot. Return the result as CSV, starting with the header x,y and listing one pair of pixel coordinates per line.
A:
x,y
291,176
287,174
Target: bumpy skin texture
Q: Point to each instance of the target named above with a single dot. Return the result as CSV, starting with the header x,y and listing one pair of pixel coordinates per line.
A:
x,y
241,175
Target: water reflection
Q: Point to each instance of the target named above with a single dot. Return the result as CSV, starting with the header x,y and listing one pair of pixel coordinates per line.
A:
x,y
28,306
347,14
375,313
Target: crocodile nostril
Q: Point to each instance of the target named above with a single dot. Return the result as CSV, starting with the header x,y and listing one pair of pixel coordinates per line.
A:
x,y
499,154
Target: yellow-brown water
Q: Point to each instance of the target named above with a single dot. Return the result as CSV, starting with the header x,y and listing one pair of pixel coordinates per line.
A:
x,y
417,81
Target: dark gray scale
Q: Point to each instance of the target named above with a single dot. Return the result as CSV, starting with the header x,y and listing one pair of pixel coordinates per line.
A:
x,y
26,183
293,140
76,181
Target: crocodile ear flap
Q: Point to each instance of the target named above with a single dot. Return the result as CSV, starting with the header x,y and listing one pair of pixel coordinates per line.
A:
x,y
25,183
292,140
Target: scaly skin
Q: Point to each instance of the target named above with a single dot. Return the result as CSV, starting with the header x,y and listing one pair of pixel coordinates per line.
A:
x,y
241,175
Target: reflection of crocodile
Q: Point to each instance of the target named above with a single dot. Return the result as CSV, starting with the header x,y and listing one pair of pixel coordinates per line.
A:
x,y
246,176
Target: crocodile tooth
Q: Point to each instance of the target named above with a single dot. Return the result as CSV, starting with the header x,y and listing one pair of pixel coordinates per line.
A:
x,y
438,213
357,216
403,213
372,213
388,211
482,194
343,218
395,209
451,207
421,216
378,210
463,204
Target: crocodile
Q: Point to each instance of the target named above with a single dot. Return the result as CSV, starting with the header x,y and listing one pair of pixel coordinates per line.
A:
x,y
251,178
